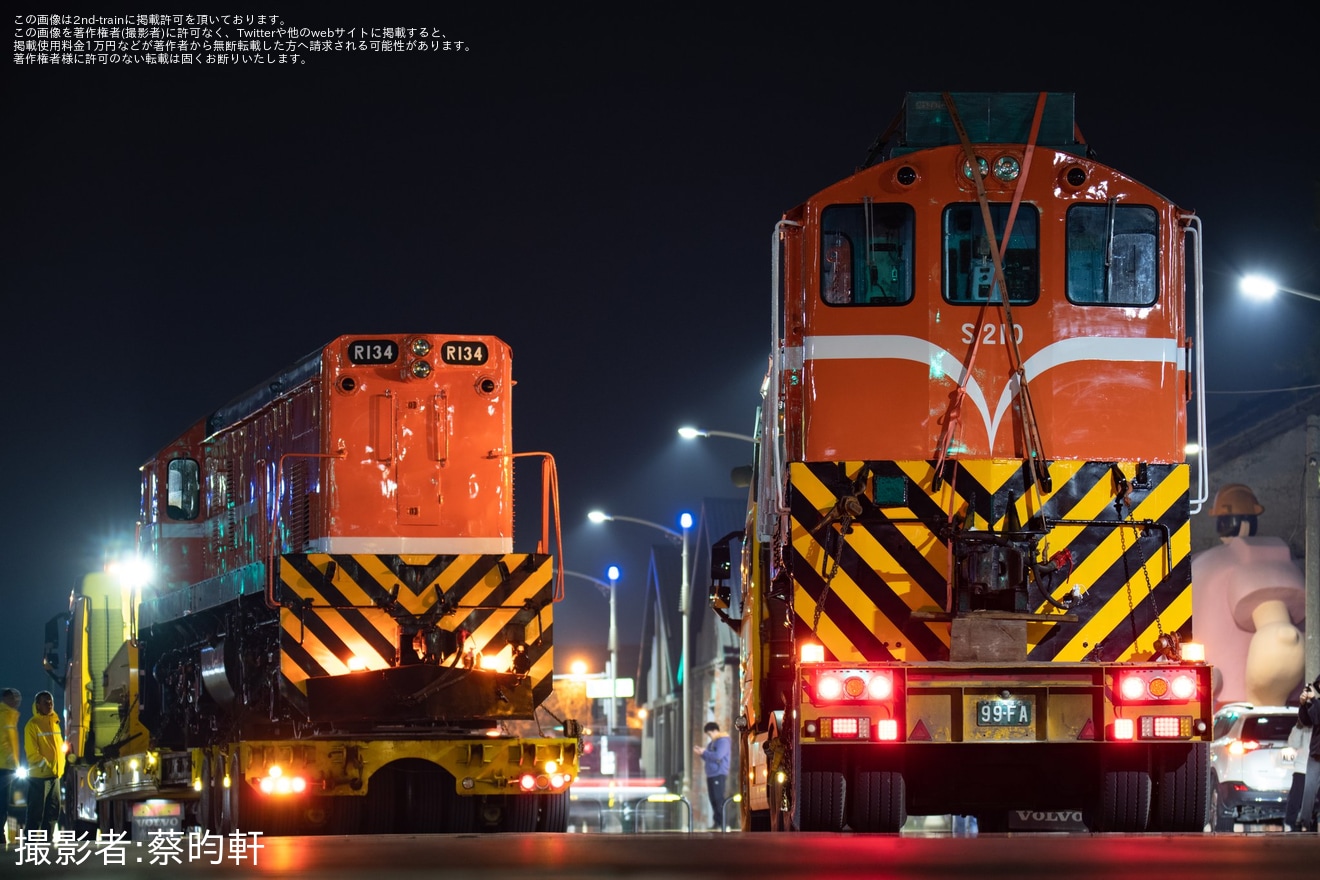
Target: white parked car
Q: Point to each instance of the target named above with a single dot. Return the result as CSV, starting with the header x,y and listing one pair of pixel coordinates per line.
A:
x,y
1251,766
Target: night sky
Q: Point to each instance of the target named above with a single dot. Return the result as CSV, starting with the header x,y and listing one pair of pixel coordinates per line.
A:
x,y
600,193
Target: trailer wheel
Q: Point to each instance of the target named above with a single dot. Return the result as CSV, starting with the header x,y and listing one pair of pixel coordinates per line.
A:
x,y
879,802
1182,789
553,817
781,814
460,811
1123,804
751,820
519,812
821,795
380,806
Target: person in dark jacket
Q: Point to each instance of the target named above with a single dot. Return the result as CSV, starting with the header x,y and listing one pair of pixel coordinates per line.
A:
x,y
716,755
1308,713
1298,751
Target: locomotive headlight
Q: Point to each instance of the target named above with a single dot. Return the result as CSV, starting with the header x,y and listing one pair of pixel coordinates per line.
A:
x,y
420,347
421,369
1007,168
981,166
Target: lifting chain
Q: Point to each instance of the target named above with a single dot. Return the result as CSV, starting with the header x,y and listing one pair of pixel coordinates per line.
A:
x,y
845,510
1163,642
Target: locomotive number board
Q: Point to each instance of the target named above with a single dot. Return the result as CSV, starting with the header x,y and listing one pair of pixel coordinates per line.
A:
x,y
373,351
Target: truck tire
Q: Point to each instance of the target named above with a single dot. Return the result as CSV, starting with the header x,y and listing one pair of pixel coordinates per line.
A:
x,y
553,816
1182,789
1123,804
751,820
460,811
780,819
518,812
878,802
821,798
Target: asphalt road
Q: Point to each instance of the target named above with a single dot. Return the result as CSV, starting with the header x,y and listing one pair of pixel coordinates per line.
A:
x,y
1276,856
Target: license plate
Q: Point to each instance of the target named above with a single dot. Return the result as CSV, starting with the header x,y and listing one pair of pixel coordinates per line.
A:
x,y
1003,713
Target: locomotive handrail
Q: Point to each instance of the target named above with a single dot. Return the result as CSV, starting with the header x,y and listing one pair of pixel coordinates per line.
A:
x,y
549,496
772,429
1202,489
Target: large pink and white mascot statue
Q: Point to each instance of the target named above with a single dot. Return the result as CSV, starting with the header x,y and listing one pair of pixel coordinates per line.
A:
x,y
1248,606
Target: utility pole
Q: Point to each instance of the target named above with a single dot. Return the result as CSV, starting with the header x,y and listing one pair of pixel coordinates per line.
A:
x,y
1312,547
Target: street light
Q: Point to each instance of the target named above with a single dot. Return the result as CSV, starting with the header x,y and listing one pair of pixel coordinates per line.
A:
x,y
609,589
1261,288
613,574
693,433
685,522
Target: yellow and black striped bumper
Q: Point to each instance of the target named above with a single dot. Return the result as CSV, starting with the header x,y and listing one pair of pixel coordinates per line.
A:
x,y
871,554
416,637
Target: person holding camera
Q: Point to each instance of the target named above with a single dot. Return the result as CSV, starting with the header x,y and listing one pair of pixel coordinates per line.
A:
x,y
1308,714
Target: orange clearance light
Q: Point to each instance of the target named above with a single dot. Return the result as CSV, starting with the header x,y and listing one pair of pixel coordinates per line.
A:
x,y
1133,687
854,686
1193,652
886,729
812,653
1124,729
551,766
1158,687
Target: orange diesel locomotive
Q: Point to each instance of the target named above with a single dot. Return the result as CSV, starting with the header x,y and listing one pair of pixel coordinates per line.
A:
x,y
340,636
966,580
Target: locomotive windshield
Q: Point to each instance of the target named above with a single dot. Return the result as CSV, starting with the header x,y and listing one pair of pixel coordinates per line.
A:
x,y
969,274
866,254
1112,253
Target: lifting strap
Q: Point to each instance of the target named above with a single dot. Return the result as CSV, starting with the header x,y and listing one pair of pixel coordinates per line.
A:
x,y
1036,469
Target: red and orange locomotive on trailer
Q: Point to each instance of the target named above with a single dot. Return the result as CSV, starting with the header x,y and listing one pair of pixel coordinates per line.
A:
x,y
341,635
972,501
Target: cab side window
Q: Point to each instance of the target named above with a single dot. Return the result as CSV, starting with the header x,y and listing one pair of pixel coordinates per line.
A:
x,y
183,489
